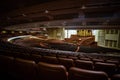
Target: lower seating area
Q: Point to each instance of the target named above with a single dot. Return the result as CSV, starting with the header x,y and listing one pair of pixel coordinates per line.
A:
x,y
82,74
58,69
22,63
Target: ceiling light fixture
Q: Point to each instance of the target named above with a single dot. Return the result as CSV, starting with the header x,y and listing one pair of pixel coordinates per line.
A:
x,y
23,15
46,11
83,7
8,18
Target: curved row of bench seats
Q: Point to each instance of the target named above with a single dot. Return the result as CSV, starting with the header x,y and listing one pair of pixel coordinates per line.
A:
x,y
73,59
22,49
27,69
109,66
21,69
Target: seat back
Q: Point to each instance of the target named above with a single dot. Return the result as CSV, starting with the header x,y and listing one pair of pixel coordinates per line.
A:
x,y
118,69
87,59
66,62
37,58
6,67
97,60
113,61
50,59
73,57
83,74
48,71
6,63
109,68
115,77
23,55
25,69
84,64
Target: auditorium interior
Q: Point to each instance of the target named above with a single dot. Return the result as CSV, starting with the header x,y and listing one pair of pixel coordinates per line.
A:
x,y
60,40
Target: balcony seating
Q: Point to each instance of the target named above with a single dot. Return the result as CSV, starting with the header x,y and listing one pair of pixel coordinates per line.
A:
x,y
51,71
109,64
82,74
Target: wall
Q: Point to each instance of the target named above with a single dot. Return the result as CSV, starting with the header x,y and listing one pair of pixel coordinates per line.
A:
x,y
109,38
56,33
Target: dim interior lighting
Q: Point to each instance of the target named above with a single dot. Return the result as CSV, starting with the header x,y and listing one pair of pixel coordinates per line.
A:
x,y
80,39
64,23
4,32
44,29
46,11
12,32
46,35
23,15
83,7
8,18
20,31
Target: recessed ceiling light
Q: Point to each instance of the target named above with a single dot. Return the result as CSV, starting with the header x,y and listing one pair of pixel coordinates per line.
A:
x,y
46,11
23,15
83,7
8,18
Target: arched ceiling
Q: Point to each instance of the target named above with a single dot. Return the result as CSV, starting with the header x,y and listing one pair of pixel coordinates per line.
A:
x,y
60,12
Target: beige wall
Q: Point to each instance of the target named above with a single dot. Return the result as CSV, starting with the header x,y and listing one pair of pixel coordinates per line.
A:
x,y
109,38
56,33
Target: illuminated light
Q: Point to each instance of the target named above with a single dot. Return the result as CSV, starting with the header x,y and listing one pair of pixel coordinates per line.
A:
x,y
46,11
83,7
46,34
20,32
44,29
80,39
12,32
23,15
4,32
8,18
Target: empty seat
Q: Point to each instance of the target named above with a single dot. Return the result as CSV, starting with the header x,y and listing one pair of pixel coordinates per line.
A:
x,y
62,56
48,71
23,55
25,69
66,62
51,54
84,64
118,69
6,66
73,57
113,61
109,68
116,77
6,63
37,58
83,74
87,59
50,59
97,60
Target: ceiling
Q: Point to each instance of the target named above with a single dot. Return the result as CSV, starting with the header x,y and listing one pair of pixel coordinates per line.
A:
x,y
61,12
10,5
